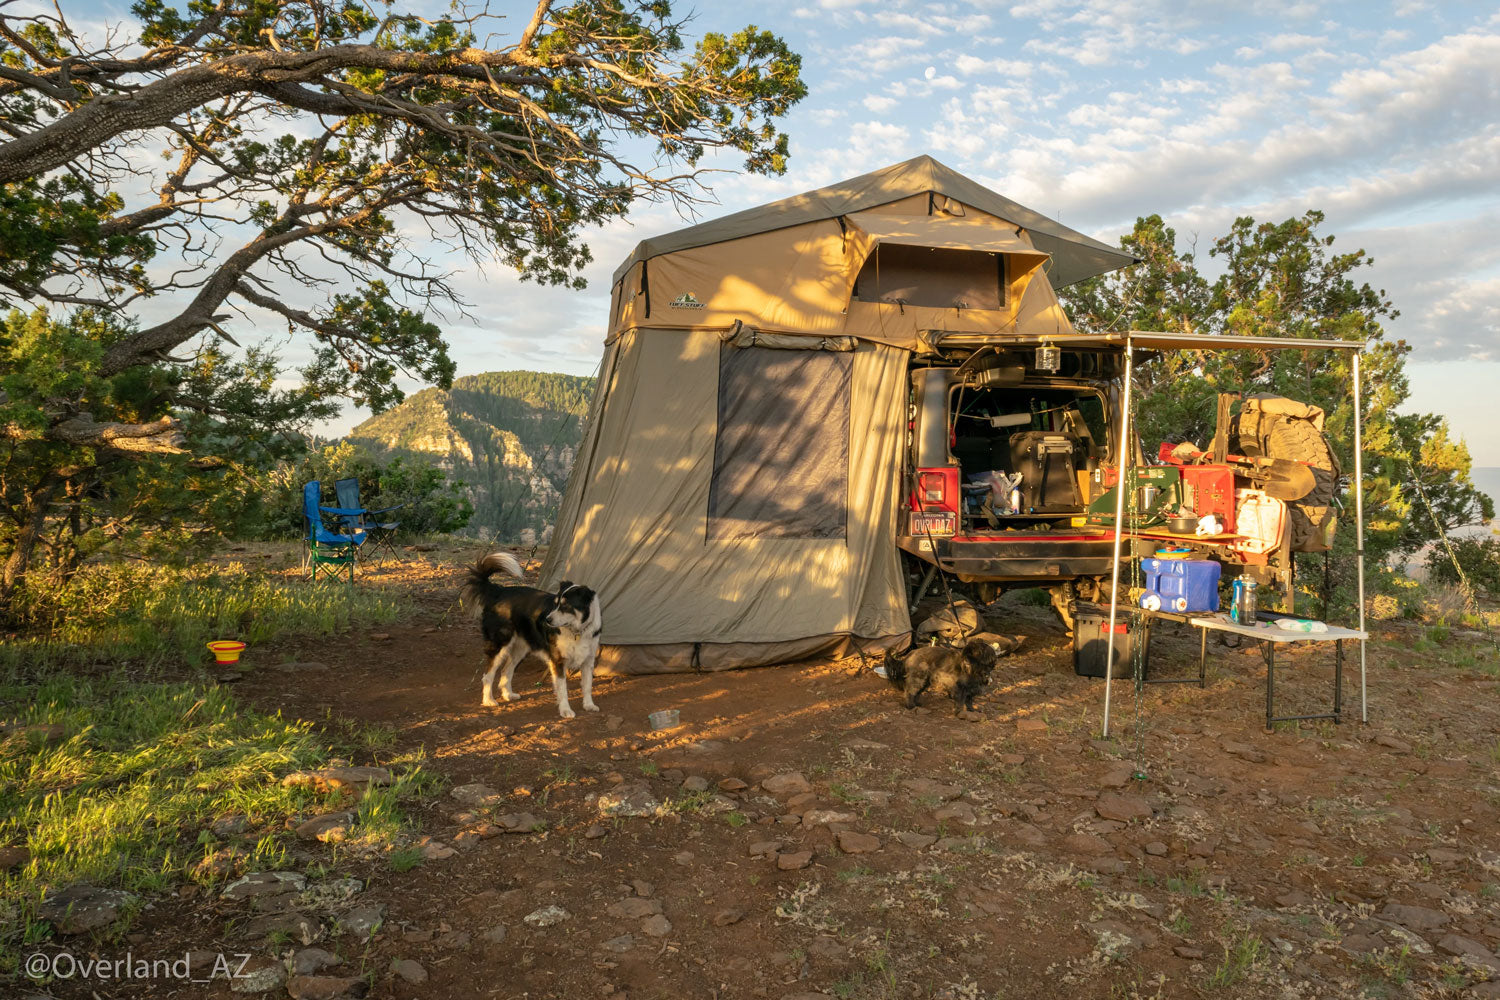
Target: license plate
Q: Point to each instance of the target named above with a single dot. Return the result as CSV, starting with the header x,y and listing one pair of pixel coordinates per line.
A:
x,y
934,523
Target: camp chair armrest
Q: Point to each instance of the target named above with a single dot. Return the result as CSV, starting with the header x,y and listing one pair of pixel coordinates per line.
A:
x,y
383,510
345,511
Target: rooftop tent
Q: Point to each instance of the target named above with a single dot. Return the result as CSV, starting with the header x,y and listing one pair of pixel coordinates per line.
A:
x,y
735,495
919,186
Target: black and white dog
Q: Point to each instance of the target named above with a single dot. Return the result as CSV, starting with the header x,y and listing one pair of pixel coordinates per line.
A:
x,y
563,628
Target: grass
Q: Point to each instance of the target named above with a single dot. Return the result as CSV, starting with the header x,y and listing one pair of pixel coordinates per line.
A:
x,y
123,791
155,614
1034,597
1240,955
1190,886
690,803
845,793
1390,968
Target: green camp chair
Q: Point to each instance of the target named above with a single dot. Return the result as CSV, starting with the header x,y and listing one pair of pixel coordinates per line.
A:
x,y
328,552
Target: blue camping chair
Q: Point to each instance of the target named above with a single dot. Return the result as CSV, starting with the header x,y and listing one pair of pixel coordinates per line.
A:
x,y
381,533
328,552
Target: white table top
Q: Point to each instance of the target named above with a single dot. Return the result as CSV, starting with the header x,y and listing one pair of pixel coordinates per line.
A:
x,y
1268,632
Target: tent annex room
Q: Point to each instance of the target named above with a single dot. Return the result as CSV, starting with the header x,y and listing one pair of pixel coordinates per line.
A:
x,y
734,499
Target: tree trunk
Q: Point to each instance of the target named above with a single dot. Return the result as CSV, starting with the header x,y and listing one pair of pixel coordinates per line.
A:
x,y
33,521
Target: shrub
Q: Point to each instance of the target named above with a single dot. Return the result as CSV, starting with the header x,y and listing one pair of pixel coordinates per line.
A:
x,y
1478,557
1384,607
433,504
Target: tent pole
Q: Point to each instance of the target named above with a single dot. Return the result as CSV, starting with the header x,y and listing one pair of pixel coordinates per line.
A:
x,y
1124,458
1359,534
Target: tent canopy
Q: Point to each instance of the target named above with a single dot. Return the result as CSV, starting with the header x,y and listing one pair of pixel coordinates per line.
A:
x,y
1074,256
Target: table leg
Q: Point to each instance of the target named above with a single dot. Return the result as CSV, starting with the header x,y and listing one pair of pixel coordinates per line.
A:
x,y
1270,654
1338,680
1203,659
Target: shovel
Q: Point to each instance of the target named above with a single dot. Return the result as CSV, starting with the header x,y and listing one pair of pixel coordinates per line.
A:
x,y
1279,477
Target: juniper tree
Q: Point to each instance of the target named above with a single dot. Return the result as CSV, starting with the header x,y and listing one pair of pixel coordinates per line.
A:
x,y
313,164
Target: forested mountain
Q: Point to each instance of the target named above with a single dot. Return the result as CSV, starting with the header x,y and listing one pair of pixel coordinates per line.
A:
x,y
510,437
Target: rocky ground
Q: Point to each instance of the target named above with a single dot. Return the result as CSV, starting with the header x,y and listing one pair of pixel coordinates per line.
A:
x,y
800,835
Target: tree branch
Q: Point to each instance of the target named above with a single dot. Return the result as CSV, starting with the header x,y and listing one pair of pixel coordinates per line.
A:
x,y
162,437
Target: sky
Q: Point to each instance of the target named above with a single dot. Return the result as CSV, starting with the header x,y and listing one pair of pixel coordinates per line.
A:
x,y
1384,115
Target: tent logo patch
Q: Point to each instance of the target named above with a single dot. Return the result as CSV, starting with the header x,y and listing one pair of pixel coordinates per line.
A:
x,y
686,301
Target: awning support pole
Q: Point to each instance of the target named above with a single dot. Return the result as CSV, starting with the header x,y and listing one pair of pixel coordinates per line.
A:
x,y
1124,457
1359,533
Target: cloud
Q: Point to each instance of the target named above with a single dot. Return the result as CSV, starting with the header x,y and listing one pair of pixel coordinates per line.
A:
x,y
970,65
932,22
882,51
1292,41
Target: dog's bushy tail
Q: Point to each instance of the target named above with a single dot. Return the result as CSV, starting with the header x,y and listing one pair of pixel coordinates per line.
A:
x,y
479,577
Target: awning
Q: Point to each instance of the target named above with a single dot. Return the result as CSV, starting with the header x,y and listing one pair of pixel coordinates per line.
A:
x,y
1151,340
941,232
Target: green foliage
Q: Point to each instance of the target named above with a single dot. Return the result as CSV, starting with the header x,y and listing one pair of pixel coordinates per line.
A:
x,y
125,797
432,504
307,160
158,614
1478,557
1286,280
165,504
509,437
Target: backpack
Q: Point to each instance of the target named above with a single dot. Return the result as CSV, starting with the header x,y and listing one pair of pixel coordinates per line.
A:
x,y
1276,427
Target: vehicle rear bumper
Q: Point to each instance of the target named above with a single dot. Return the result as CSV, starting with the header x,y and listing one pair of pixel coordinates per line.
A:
x,y
1018,557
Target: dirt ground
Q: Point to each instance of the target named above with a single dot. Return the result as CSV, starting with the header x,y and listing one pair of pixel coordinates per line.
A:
x,y
814,838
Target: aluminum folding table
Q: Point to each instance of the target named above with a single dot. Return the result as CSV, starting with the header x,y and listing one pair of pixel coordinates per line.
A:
x,y
1270,636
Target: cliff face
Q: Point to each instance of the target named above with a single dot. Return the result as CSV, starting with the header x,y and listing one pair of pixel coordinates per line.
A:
x,y
509,437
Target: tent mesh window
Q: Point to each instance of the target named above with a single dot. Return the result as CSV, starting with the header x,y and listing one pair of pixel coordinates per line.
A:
x,y
781,451
927,276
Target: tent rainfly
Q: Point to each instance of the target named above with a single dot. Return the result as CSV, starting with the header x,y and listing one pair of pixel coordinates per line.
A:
x,y
735,496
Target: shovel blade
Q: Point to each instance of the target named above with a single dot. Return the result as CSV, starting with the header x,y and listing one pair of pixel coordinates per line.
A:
x,y
1287,481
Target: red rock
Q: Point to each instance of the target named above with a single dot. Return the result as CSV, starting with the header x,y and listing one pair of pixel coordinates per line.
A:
x,y
1086,843
787,783
1124,808
1417,918
325,987
857,843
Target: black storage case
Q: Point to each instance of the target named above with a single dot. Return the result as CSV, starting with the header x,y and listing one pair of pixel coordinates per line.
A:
x,y
1048,480
1091,648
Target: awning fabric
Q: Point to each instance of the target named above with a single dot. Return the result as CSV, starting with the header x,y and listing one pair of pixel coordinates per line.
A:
x,y
940,232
